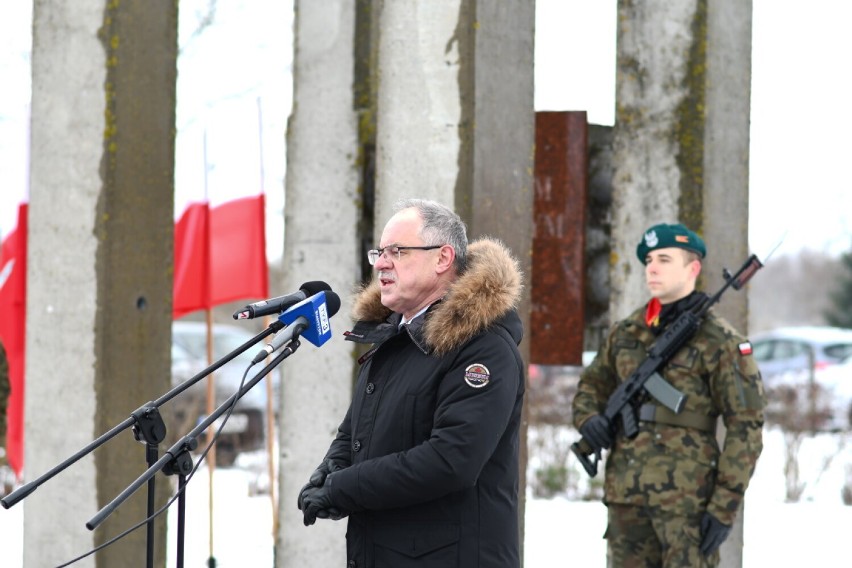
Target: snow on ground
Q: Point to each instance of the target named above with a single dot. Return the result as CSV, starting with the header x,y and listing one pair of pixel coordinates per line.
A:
x,y
242,522
813,532
559,531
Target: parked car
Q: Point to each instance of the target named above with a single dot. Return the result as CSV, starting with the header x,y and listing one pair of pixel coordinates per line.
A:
x,y
791,349
835,388
245,429
804,379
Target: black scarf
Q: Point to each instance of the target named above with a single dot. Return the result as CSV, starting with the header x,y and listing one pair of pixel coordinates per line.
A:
x,y
670,312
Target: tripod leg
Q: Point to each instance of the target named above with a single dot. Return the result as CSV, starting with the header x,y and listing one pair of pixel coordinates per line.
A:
x,y
181,519
151,457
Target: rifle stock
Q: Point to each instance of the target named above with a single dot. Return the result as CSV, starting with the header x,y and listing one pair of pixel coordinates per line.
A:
x,y
583,452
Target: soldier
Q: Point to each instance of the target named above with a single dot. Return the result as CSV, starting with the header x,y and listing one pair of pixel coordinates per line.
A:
x,y
5,390
6,475
672,495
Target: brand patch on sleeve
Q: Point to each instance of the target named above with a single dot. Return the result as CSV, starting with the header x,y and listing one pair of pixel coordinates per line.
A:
x,y
745,348
477,375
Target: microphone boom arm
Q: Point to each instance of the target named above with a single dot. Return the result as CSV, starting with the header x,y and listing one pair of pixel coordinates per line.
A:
x,y
189,442
23,491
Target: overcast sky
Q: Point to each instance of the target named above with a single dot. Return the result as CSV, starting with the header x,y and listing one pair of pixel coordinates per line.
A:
x,y
800,93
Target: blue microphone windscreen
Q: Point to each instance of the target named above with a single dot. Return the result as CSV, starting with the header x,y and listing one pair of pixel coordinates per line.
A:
x,y
317,309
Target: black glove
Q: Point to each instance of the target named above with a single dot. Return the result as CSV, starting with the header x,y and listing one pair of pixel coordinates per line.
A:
x,y
598,432
713,534
318,477
317,503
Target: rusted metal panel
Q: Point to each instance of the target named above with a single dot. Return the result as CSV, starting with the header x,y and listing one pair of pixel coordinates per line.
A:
x,y
559,213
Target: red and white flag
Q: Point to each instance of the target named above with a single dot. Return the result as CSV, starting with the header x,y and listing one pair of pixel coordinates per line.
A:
x,y
220,231
15,165
220,254
13,303
220,249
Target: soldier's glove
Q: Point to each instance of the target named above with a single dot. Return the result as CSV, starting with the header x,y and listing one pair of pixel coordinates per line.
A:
x,y
713,534
598,433
318,504
318,477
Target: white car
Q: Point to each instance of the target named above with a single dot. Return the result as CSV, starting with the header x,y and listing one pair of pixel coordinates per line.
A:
x,y
245,430
807,373
835,394
792,349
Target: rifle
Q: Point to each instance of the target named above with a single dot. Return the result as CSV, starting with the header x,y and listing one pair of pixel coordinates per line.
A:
x,y
646,378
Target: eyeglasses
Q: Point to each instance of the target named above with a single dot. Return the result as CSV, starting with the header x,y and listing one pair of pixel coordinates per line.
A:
x,y
394,252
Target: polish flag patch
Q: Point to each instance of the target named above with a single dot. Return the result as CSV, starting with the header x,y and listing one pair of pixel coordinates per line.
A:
x,y
745,348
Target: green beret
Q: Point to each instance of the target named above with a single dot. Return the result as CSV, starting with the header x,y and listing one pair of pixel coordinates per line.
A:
x,y
666,236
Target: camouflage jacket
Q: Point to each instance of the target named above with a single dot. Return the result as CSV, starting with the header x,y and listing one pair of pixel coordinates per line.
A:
x,y
5,390
677,469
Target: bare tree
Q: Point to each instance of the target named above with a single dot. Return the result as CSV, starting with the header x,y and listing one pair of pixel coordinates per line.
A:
x,y
793,290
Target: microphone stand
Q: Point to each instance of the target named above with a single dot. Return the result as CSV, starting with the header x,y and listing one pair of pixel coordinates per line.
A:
x,y
177,458
148,424
150,429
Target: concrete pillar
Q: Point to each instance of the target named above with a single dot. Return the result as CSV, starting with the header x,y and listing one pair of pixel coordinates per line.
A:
x,y
500,127
455,119
681,145
726,149
419,131
598,241
99,265
659,128
320,243
726,160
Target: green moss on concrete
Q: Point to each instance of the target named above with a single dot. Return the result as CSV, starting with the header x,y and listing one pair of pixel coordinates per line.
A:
x,y
690,120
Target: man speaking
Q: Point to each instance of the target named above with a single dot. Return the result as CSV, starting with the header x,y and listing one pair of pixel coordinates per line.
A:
x,y
425,462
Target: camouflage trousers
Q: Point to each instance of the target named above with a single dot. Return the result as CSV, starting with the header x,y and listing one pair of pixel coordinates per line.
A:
x,y
638,537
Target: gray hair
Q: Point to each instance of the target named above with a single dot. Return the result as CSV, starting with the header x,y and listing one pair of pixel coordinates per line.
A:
x,y
441,226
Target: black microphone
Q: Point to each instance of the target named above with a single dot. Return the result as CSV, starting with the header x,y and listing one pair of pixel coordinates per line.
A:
x,y
281,303
308,319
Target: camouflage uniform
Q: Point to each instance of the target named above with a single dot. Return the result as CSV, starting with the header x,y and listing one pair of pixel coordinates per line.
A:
x,y
5,390
666,477
7,476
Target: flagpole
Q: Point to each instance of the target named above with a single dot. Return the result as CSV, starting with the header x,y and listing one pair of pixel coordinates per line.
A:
x,y
270,415
270,447
211,379
211,455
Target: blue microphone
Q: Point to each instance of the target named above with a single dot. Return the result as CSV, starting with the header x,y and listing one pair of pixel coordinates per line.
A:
x,y
309,319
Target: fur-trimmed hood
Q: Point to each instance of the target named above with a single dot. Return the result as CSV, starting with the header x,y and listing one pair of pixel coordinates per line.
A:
x,y
486,292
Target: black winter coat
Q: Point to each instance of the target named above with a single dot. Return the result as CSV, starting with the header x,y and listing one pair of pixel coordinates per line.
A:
x,y
431,435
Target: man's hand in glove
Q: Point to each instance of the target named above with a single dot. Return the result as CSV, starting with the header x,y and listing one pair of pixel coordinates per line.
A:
x,y
317,504
598,433
318,477
713,534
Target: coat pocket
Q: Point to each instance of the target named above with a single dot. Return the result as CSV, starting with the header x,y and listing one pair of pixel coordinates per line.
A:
x,y
416,545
